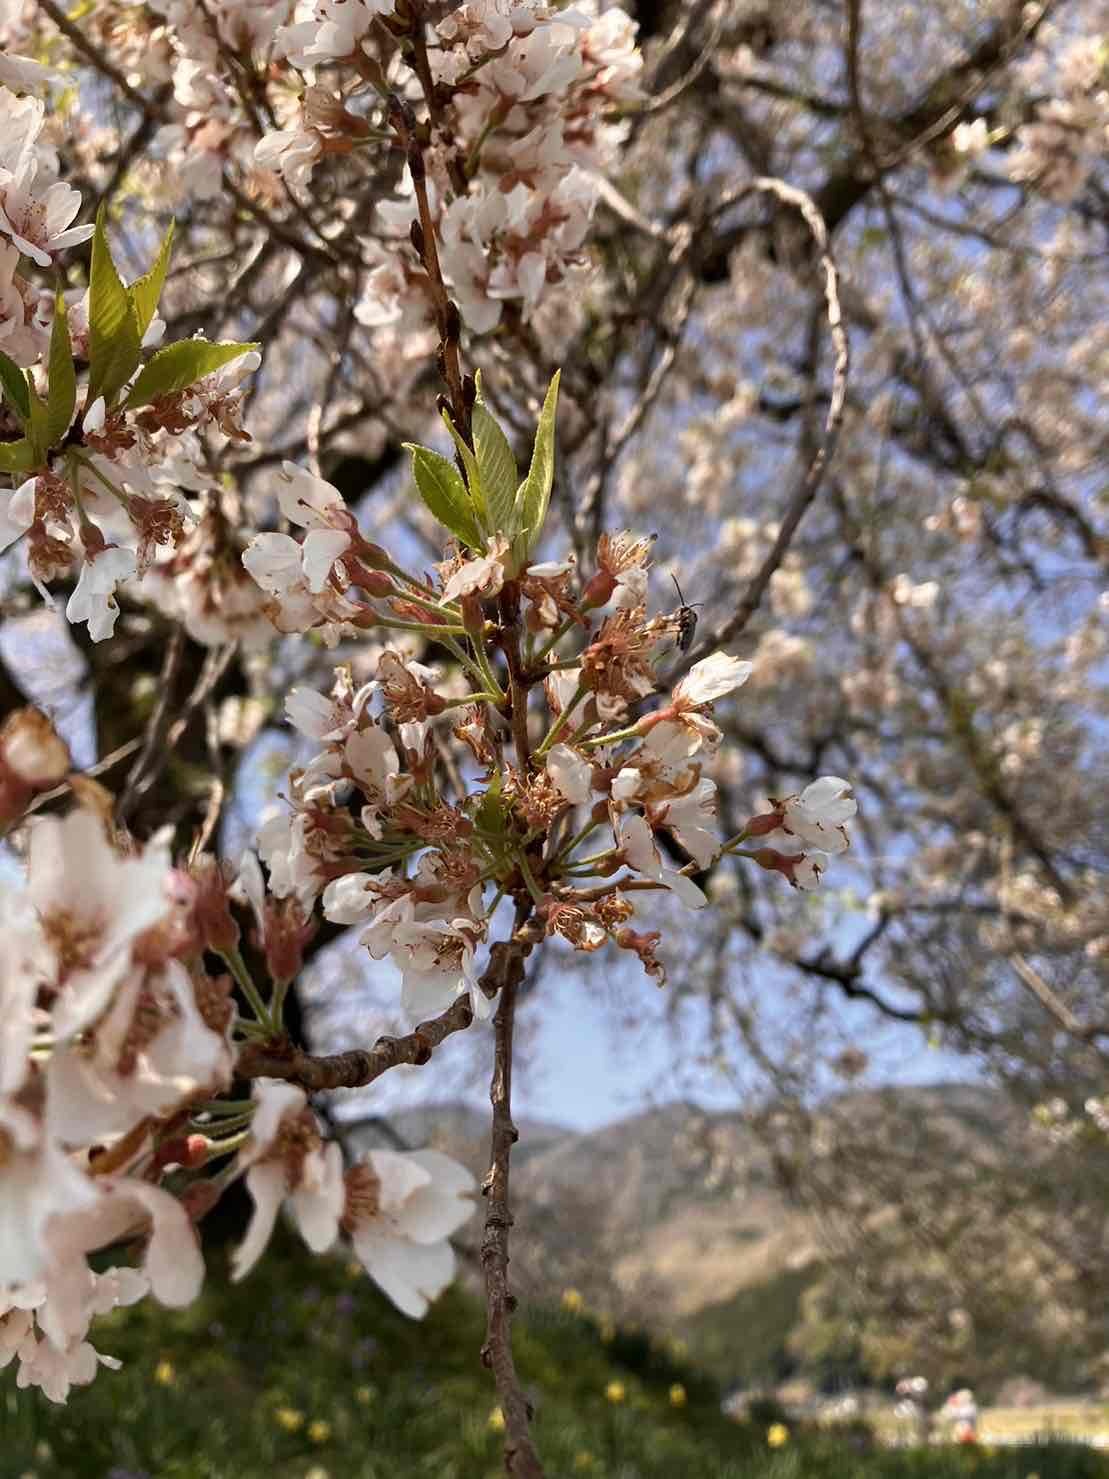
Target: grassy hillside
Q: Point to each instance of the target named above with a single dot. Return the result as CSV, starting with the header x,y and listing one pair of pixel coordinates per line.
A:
x,y
305,1373
742,1341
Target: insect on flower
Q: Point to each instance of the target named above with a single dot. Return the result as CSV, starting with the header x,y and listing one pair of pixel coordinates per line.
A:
x,y
687,618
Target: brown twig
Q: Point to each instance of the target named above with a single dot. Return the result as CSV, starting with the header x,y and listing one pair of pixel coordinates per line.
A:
x,y
118,754
358,1067
520,1456
518,685
447,318
283,1059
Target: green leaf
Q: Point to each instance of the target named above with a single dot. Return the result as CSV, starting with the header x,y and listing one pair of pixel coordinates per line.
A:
x,y
473,475
17,456
15,388
146,290
534,493
115,343
498,470
490,815
178,366
442,489
63,377
39,422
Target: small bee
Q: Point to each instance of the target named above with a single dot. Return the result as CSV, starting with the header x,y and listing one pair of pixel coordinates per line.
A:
x,y
687,618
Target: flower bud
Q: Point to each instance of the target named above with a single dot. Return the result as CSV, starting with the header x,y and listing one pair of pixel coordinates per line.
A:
x,y
211,910
764,823
599,589
31,749
287,933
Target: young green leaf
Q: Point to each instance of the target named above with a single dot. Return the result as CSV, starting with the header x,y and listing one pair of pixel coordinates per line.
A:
x,y
17,456
63,377
534,493
473,475
146,290
15,388
38,422
180,365
490,814
442,489
114,338
497,468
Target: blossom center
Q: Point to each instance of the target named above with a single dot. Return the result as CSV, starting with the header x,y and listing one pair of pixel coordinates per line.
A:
x,y
73,939
363,1188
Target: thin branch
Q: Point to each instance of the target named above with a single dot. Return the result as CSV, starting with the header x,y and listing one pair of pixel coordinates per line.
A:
x,y
283,1059
94,54
1054,1005
156,725
813,475
158,748
681,42
520,1456
358,1067
118,754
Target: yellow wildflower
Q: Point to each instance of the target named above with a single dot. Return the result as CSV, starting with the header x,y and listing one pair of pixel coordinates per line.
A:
x,y
615,1391
677,1395
583,1462
289,1419
496,1420
319,1431
777,1434
164,1374
572,1300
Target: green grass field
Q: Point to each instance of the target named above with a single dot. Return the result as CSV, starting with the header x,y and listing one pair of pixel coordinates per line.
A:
x,y
306,1373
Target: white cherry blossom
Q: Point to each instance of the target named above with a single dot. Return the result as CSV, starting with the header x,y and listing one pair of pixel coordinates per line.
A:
x,y
633,834
400,1211
94,598
287,1158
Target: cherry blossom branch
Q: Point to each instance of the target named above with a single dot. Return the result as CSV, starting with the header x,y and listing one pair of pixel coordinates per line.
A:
x,y
520,1456
447,318
281,1058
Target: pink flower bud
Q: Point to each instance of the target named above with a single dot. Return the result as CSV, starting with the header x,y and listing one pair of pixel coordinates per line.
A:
x,y
765,822
211,911
598,591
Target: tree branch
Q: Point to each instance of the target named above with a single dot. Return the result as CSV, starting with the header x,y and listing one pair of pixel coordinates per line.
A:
x,y
520,1456
281,1058
813,475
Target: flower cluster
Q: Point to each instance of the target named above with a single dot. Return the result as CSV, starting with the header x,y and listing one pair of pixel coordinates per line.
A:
x,y
574,808
102,477
1056,153
111,1027
117,1044
398,1210
526,98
